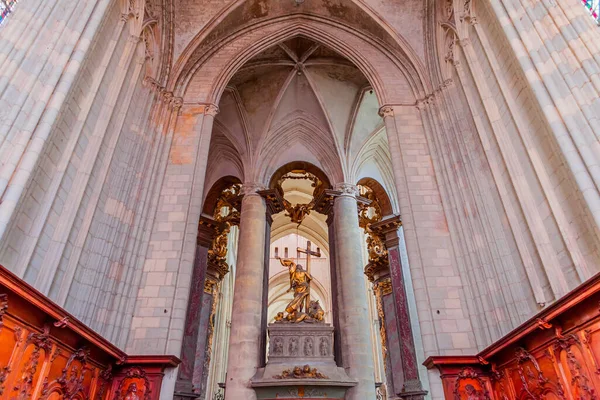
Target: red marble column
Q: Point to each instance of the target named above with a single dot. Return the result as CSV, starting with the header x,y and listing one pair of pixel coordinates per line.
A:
x,y
401,345
192,325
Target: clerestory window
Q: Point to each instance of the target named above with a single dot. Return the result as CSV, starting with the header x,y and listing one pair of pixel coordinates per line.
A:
x,y
6,7
593,7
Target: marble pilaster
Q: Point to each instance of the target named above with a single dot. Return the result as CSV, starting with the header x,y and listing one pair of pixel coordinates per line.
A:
x,y
245,339
354,315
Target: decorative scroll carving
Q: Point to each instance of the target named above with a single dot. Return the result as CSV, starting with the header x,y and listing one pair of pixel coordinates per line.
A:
x,y
3,308
40,341
468,15
578,377
385,286
3,375
62,323
543,324
105,377
563,360
472,393
18,334
305,372
71,380
209,285
225,213
368,214
381,315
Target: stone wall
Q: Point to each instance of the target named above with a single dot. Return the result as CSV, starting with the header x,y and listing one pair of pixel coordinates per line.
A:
x,y
72,234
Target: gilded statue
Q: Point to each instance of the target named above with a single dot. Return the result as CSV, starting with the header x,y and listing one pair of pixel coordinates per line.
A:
x,y
300,285
301,308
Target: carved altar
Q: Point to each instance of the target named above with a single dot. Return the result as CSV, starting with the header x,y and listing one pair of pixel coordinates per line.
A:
x,y
301,364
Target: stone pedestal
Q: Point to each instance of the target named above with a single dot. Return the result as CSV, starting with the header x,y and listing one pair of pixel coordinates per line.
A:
x,y
298,345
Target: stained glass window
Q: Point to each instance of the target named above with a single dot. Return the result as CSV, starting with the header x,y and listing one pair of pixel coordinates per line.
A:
x,y
593,7
6,7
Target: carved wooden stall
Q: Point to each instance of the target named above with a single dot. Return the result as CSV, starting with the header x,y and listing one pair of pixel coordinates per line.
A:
x,y
555,355
45,353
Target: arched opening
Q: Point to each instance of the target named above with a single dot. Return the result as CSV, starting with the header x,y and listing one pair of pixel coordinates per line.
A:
x,y
296,97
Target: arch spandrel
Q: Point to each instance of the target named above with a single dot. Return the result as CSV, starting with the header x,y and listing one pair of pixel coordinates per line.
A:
x,y
368,20
376,62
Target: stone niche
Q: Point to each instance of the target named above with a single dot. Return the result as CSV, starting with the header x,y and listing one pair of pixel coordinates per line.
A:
x,y
301,364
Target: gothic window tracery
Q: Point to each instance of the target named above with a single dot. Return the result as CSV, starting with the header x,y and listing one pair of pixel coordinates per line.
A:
x,y
593,7
6,8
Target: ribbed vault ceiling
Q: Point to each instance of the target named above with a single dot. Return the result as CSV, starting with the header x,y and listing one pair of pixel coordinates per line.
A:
x,y
298,100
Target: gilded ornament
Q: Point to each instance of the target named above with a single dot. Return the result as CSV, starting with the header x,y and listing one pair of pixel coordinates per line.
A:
x,y
225,213
381,314
298,212
209,285
385,286
305,372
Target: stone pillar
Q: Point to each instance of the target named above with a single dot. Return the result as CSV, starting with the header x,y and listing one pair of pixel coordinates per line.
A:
x,y
265,288
354,315
337,343
244,342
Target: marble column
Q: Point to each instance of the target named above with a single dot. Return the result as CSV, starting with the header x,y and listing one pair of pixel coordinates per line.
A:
x,y
192,325
196,330
245,339
407,383
354,314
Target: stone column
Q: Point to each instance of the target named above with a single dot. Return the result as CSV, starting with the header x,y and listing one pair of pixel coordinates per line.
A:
x,y
244,342
265,288
337,343
354,314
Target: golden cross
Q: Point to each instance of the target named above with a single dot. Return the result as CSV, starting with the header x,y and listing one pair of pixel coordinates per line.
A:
x,y
308,251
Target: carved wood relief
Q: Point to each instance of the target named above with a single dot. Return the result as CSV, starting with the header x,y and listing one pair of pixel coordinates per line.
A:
x,y
45,353
556,360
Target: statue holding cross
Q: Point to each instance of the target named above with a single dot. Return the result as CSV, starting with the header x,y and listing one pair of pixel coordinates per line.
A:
x,y
301,308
